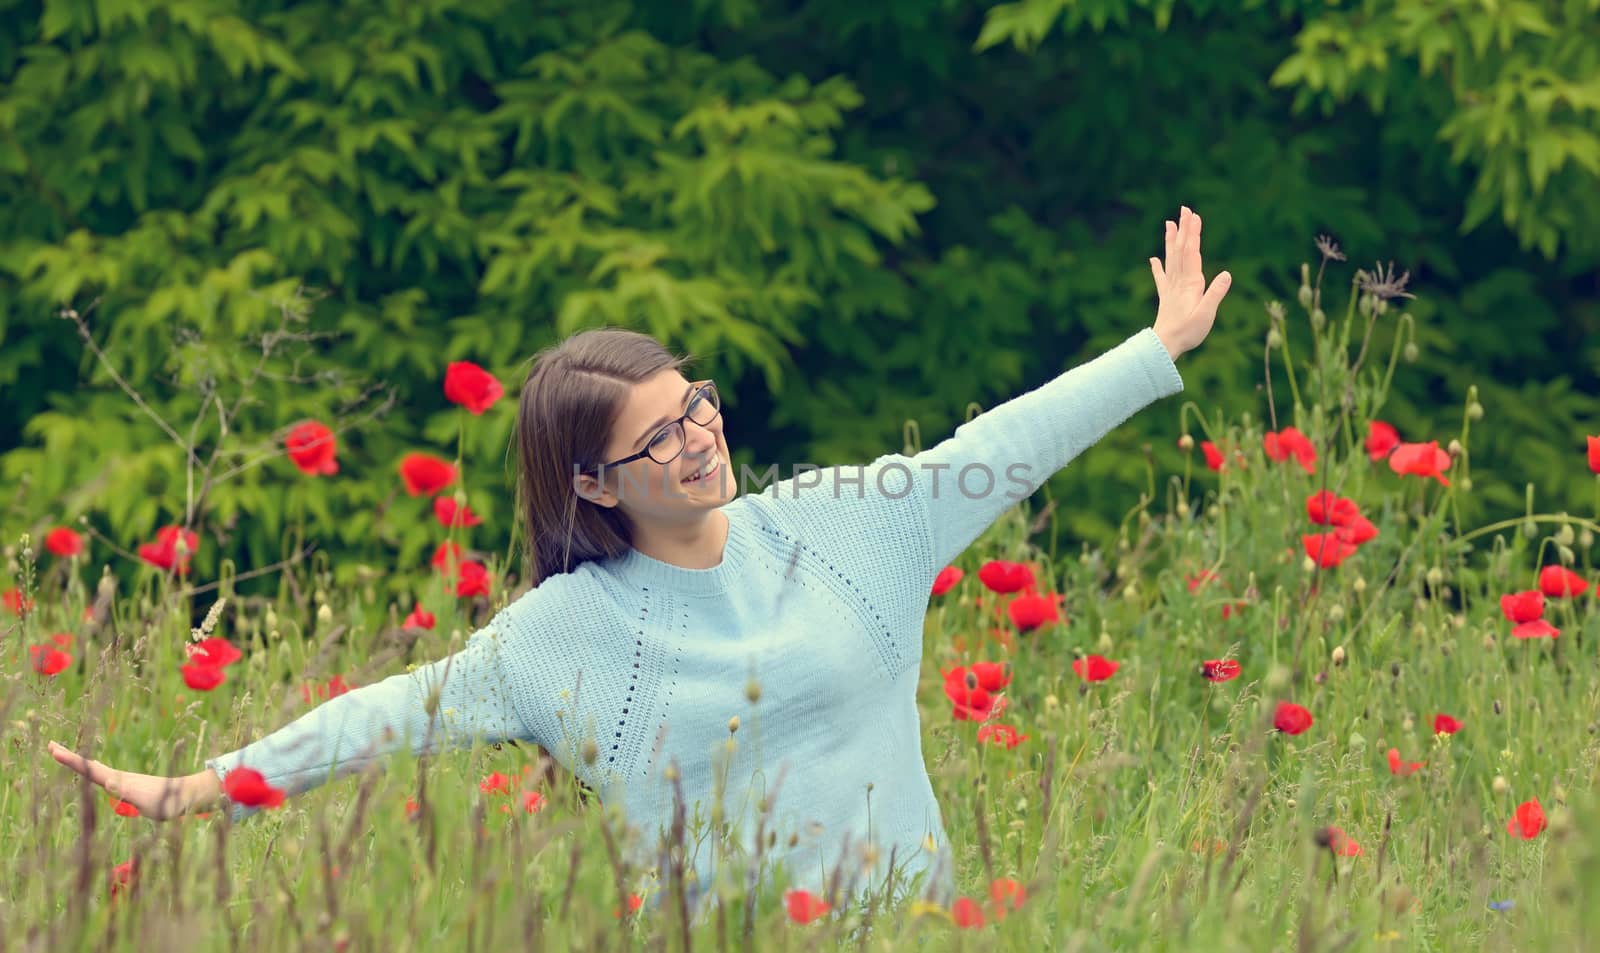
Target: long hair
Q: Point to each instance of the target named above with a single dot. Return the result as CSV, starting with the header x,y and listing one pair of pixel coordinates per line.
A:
x,y
573,394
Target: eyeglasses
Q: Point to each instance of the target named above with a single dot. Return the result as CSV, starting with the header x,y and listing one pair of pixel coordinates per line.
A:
x,y
669,441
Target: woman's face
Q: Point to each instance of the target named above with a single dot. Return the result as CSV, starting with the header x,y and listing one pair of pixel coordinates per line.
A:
x,y
644,486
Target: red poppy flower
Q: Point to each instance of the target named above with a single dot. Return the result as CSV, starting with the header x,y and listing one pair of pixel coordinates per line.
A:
x,y
1219,670
1420,459
1402,768
532,801
496,783
1445,725
1381,438
1290,442
1214,458
973,704
1095,668
412,808
311,447
163,553
124,876
333,688
249,787
1524,606
634,902
14,602
121,807
1358,531
1327,549
1007,895
425,474
1528,820
1339,842
48,660
203,678
474,580
1004,577
989,676
1537,629
419,618
1291,719
63,541
1031,610
1000,735
1327,509
804,906
444,510
1561,581
966,912
947,578
62,640
1594,453
1201,578
214,651
471,386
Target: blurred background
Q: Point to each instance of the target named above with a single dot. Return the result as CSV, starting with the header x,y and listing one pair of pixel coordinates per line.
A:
x,y
852,213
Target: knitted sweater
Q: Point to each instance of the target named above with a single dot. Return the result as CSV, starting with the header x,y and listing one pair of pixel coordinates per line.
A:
x,y
820,599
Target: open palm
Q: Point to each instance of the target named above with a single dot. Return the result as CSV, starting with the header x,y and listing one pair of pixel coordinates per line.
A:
x,y
1187,307
156,797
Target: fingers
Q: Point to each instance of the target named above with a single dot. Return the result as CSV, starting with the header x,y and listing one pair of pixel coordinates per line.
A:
x,y
1193,248
1218,290
93,770
1170,255
1161,279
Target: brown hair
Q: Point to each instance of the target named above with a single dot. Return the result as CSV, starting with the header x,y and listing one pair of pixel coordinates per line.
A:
x,y
574,393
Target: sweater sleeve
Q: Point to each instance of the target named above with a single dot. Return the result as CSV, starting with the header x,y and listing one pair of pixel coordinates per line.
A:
x,y
995,460
447,703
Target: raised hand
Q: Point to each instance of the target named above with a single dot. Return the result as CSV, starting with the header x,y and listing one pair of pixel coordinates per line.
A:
x,y
156,797
1187,307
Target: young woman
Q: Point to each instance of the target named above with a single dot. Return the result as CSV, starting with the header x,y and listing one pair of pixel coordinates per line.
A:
x,y
757,649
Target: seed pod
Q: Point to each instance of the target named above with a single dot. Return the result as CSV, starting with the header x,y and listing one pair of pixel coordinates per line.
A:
x,y
1409,352
1186,442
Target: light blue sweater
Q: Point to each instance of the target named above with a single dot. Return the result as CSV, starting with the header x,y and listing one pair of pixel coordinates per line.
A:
x,y
820,598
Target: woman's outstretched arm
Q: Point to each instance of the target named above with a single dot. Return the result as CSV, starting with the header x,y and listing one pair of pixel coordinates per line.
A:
x,y
450,702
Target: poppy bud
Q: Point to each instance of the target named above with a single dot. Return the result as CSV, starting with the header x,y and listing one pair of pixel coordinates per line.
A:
x,y
1183,508
1564,534
1335,612
1435,577
1104,645
1186,442
1308,564
1360,585
1501,785
1454,448
733,724
1464,484
1566,555
1305,296
1338,655
1274,339
1474,411
591,751
1586,538
1408,725
1409,352
1530,529
324,614
1318,319
1277,678
1364,305
272,619
1051,703
1380,306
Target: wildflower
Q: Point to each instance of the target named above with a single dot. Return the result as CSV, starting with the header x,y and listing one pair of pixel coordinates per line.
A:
x,y
1003,577
1326,509
471,386
1219,670
201,677
121,807
63,541
803,905
1537,629
966,912
1500,904
247,786
425,474
1445,725
1382,284
1031,610
48,660
634,902
1559,581
215,651
1525,606
474,580
532,801
412,808
971,700
1420,459
1329,248
311,447
1327,549
1007,894
448,514
14,602
62,640
1528,820
1000,735
496,783
419,618
333,688
1338,841
1594,453
1381,438
1095,668
946,580
1214,458
1291,719
124,876
1289,441
163,553
1402,768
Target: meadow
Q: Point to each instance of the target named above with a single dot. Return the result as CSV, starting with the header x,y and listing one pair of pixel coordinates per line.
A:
x,y
1297,706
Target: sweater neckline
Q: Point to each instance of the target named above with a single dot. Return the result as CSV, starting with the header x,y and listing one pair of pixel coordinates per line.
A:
x,y
642,570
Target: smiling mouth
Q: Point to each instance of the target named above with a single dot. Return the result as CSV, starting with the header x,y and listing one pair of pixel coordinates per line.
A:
x,y
716,468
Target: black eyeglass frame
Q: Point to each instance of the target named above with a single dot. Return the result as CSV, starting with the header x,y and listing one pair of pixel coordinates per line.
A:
x,y
699,386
